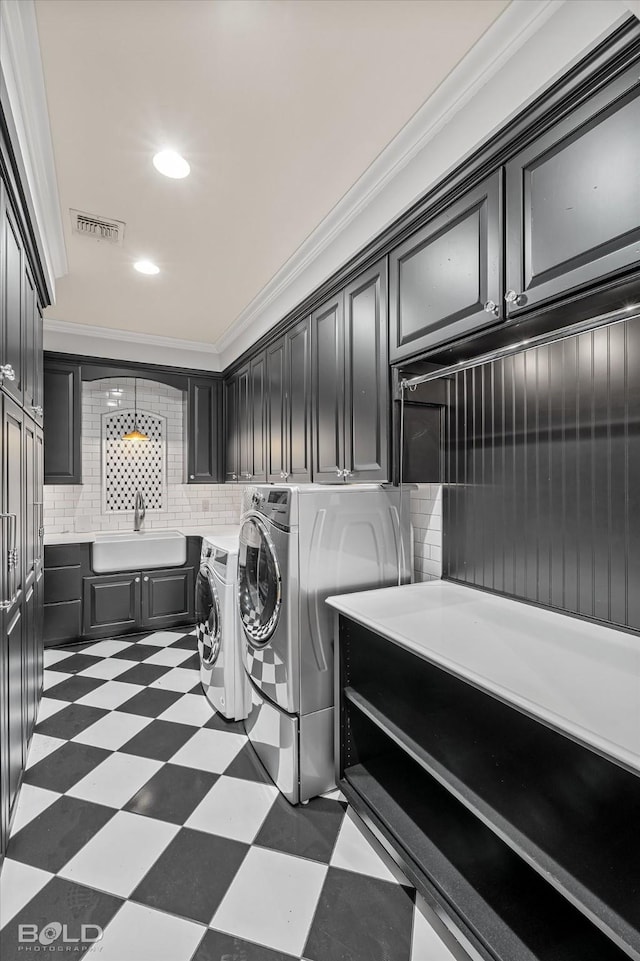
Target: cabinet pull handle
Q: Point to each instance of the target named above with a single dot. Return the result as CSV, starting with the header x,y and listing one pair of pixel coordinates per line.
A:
x,y
491,308
12,556
513,297
7,372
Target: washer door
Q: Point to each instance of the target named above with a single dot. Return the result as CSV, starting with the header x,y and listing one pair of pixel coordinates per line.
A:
x,y
208,621
259,582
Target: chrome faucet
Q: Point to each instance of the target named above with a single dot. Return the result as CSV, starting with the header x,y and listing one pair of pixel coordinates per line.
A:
x,y
139,511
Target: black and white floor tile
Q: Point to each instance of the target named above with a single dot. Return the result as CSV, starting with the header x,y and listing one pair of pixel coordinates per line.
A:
x,y
145,814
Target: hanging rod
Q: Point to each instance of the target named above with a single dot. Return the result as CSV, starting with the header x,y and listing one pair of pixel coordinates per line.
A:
x,y
572,330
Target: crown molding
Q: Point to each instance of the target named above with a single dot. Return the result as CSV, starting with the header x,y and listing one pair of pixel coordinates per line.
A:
x,y
519,21
64,337
25,98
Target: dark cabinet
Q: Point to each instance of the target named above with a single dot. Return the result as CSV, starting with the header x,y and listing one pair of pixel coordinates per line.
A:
x,y
277,403
111,604
246,418
445,280
366,396
166,596
62,427
204,428
297,464
350,382
120,603
327,327
244,433
231,431
21,596
12,333
257,420
573,199
288,406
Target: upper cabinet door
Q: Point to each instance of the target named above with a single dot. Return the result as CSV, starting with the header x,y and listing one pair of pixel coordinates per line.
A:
x,y
367,377
31,317
298,381
573,199
243,430
203,431
62,426
445,278
258,465
231,429
327,331
276,442
12,302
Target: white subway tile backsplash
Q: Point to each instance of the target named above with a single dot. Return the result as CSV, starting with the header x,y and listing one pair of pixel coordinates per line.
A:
x,y
66,505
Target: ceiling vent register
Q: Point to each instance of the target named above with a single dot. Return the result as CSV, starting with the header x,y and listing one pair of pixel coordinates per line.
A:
x,y
98,228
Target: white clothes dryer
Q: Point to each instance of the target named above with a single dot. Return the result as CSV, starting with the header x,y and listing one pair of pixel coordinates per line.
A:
x,y
218,631
298,546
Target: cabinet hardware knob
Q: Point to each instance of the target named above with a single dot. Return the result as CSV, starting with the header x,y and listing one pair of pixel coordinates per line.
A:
x,y
146,578
234,477
137,580
491,308
7,372
512,297
192,476
285,474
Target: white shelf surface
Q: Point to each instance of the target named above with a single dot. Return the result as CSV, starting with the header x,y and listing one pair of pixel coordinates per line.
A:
x,y
581,678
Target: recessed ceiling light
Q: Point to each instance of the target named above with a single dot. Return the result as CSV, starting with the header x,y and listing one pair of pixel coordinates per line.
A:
x,y
171,164
146,267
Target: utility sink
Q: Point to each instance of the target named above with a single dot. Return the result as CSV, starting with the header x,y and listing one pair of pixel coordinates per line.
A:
x,y
138,550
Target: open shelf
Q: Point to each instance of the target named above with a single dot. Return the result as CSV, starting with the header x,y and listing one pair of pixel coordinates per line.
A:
x,y
420,746
502,903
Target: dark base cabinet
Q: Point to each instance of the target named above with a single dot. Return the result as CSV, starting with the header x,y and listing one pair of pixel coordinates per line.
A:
x,y
111,604
167,595
81,605
523,837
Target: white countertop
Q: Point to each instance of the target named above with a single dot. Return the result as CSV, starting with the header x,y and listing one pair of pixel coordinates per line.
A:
x,y
580,677
212,530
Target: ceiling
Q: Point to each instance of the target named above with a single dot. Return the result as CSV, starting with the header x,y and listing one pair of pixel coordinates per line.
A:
x,y
278,105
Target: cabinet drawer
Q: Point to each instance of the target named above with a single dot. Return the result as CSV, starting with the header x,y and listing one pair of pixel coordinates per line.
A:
x,y
62,622
62,584
62,555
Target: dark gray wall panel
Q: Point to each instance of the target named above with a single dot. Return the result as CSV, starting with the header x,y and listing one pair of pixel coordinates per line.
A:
x,y
543,476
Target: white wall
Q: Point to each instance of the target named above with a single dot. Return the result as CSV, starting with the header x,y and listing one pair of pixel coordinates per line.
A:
x,y
79,507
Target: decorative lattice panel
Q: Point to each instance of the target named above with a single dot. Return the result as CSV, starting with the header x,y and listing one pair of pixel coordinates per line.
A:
x,y
131,466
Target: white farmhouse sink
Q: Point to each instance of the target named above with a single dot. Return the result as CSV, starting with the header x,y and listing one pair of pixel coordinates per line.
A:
x,y
138,550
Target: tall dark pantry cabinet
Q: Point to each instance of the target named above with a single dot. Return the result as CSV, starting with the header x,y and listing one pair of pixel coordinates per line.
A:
x,y
22,294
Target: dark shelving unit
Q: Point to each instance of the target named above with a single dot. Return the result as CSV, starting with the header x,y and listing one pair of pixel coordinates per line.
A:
x,y
527,838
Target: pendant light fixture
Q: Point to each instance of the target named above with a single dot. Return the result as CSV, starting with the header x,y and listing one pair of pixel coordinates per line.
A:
x,y
136,433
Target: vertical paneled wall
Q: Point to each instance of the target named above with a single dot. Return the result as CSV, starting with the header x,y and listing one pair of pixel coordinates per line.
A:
x,y
542,500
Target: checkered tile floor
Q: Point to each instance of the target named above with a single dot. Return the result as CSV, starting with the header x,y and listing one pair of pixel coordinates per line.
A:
x,y
145,813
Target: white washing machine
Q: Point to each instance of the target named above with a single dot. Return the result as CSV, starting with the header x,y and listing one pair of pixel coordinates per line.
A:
x,y
220,639
298,546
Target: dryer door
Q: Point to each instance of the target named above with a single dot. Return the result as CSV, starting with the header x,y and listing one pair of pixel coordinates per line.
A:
x,y
208,620
259,582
